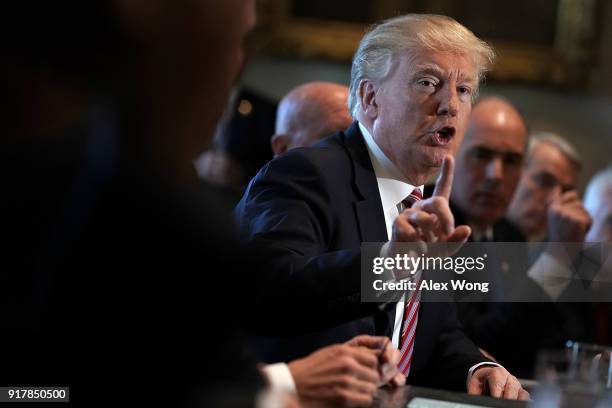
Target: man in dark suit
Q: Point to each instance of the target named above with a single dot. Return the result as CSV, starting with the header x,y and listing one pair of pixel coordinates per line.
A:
x,y
489,167
115,278
412,84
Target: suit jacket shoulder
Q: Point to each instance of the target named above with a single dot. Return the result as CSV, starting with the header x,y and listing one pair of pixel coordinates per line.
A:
x,y
300,214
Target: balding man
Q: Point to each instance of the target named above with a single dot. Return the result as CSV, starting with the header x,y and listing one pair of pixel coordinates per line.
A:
x,y
488,169
308,113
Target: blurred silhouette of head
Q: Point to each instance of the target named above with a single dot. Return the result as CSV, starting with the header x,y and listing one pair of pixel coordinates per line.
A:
x,y
167,65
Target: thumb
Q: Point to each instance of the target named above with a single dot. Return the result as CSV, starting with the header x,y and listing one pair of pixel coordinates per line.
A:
x,y
456,240
460,234
475,386
373,342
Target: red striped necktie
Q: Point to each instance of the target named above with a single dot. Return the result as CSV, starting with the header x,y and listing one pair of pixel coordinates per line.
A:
x,y
411,310
415,196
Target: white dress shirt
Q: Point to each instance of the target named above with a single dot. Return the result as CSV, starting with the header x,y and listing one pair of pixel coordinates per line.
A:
x,y
393,188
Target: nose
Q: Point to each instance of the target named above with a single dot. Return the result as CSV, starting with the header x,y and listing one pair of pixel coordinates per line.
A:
x,y
449,100
495,170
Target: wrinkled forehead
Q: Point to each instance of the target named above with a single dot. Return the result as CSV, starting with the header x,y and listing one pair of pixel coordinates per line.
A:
x,y
442,63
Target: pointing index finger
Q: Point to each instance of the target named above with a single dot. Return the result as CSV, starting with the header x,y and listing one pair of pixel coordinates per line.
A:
x,y
444,182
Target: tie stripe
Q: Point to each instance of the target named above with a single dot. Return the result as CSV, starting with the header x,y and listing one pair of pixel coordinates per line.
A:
x,y
415,196
411,310
411,318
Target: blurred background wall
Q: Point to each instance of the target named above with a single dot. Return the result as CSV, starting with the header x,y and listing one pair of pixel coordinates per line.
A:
x,y
554,56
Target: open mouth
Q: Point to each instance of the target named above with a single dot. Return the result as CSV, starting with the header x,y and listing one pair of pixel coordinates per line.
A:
x,y
444,135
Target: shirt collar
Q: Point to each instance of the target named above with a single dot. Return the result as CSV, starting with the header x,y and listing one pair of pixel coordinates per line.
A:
x,y
392,184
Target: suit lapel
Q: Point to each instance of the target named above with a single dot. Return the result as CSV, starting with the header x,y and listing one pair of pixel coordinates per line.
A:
x,y
368,207
368,211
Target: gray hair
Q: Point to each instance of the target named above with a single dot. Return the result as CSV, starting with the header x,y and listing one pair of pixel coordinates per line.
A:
x,y
565,147
410,34
601,181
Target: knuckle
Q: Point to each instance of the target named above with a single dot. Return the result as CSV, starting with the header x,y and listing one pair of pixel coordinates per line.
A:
x,y
371,388
346,364
436,201
343,397
341,350
344,382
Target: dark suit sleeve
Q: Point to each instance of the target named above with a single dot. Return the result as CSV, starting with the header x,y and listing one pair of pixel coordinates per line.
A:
x,y
286,219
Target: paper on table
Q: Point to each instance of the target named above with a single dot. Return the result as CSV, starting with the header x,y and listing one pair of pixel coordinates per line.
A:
x,y
432,403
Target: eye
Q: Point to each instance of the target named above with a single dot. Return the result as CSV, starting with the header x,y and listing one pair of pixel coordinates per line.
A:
x,y
464,90
545,180
513,159
483,154
427,82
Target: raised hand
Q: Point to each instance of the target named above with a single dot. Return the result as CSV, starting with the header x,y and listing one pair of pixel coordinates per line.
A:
x,y
568,220
431,220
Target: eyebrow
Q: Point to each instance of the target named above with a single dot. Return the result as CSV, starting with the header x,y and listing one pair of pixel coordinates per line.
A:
x,y
434,69
429,69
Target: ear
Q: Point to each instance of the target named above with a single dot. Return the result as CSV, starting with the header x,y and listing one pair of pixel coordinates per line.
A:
x,y
367,92
279,143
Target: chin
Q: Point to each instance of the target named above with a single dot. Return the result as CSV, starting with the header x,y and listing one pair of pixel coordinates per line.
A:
x,y
436,157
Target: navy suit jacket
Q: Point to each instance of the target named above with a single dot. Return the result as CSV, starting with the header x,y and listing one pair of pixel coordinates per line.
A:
x,y
307,213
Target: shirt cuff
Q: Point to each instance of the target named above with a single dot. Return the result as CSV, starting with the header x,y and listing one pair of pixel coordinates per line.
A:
x,y
279,377
475,366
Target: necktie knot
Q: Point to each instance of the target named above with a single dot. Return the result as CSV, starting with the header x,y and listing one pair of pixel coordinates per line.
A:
x,y
415,196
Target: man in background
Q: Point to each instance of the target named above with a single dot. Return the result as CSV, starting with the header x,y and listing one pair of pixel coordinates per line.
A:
x,y
546,206
308,113
240,144
488,169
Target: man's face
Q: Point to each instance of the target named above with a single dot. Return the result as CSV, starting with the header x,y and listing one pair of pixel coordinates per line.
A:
x,y
488,165
546,175
421,111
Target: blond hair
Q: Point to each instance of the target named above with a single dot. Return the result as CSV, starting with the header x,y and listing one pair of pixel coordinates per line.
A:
x,y
413,33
